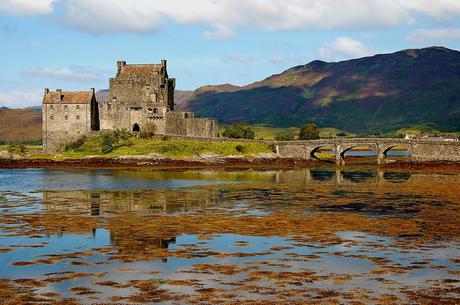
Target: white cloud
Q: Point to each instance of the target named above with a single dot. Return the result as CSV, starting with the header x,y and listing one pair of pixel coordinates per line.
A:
x,y
343,48
220,32
434,35
26,7
222,17
75,74
238,58
18,99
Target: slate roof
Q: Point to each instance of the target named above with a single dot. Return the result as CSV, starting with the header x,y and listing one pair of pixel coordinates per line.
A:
x,y
128,71
68,97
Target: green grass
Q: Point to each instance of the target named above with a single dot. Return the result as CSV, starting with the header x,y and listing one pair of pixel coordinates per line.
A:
x,y
166,147
269,133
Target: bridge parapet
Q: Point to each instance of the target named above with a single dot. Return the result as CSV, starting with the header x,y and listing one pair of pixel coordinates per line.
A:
x,y
420,150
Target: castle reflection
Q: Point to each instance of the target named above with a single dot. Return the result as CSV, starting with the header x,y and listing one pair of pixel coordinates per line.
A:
x,y
144,202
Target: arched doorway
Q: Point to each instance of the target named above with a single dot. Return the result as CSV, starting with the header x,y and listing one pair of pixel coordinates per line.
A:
x,y
136,128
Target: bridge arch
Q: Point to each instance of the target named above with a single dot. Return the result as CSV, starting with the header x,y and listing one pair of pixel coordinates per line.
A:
x,y
406,150
312,150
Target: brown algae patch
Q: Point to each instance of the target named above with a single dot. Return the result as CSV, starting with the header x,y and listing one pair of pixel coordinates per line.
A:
x,y
251,243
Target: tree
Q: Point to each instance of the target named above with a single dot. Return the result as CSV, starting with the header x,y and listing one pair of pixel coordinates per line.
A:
x,y
239,131
309,132
285,136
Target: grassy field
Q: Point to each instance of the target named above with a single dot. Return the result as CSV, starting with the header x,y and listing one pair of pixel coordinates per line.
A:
x,y
269,133
93,146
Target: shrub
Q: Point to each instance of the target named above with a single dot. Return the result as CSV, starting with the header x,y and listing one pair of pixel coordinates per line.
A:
x,y
77,144
240,148
309,132
285,136
341,134
109,140
17,149
239,131
165,138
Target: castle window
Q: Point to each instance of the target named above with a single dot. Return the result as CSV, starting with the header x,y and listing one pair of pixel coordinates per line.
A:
x,y
150,109
78,117
114,99
51,107
109,107
155,110
65,107
66,118
51,117
78,107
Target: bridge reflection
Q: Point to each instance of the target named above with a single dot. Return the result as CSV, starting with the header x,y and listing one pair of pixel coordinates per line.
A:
x,y
166,201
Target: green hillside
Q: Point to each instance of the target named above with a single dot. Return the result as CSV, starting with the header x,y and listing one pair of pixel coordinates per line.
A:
x,y
372,94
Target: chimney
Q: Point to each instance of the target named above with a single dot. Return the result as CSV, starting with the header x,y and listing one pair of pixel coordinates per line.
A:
x,y
120,64
47,90
93,90
163,63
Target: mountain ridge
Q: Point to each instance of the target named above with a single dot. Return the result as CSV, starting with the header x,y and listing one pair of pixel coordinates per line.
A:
x,y
375,93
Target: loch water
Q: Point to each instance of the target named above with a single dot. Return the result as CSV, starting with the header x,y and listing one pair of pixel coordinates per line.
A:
x,y
355,235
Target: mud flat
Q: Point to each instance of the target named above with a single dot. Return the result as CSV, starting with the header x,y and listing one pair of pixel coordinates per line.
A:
x,y
233,162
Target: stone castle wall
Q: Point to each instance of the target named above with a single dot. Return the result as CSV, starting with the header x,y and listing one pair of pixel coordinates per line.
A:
x,y
185,124
139,96
65,123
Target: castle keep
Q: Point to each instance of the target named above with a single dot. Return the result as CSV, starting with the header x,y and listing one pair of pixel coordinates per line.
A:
x,y
139,96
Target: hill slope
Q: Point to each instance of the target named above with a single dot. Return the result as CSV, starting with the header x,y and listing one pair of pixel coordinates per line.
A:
x,y
20,125
379,93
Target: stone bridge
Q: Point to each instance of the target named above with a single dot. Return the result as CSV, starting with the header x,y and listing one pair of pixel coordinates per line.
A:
x,y
419,150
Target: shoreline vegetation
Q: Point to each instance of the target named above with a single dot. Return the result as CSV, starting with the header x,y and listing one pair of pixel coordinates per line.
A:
x,y
120,149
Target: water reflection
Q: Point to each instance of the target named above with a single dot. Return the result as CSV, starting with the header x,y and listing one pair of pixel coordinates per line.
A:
x,y
237,236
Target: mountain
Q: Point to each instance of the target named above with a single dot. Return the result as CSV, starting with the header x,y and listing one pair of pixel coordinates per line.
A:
x,y
20,125
372,94
4,108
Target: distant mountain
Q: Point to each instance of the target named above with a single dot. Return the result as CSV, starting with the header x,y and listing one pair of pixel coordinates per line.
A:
x,y
4,108
102,95
20,125
378,93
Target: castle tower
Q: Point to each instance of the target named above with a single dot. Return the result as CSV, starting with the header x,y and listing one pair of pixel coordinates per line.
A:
x,y
139,94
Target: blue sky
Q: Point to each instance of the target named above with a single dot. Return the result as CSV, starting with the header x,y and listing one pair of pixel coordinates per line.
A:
x,y
74,44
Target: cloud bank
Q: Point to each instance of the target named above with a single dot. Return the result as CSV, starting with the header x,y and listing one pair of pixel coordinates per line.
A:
x,y
221,17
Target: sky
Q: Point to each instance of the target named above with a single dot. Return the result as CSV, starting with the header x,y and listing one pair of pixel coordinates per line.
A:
x,y
74,44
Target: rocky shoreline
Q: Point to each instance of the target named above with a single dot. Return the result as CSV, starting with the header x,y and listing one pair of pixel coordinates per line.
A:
x,y
208,162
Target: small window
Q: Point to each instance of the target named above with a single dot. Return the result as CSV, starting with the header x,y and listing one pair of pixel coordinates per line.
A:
x,y
155,110
65,107
109,107
66,118
52,117
51,107
78,107
78,117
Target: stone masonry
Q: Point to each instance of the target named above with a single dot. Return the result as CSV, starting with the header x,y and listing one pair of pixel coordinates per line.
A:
x,y
67,115
140,96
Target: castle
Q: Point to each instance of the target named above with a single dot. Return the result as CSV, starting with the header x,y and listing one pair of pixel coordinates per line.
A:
x,y
139,96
